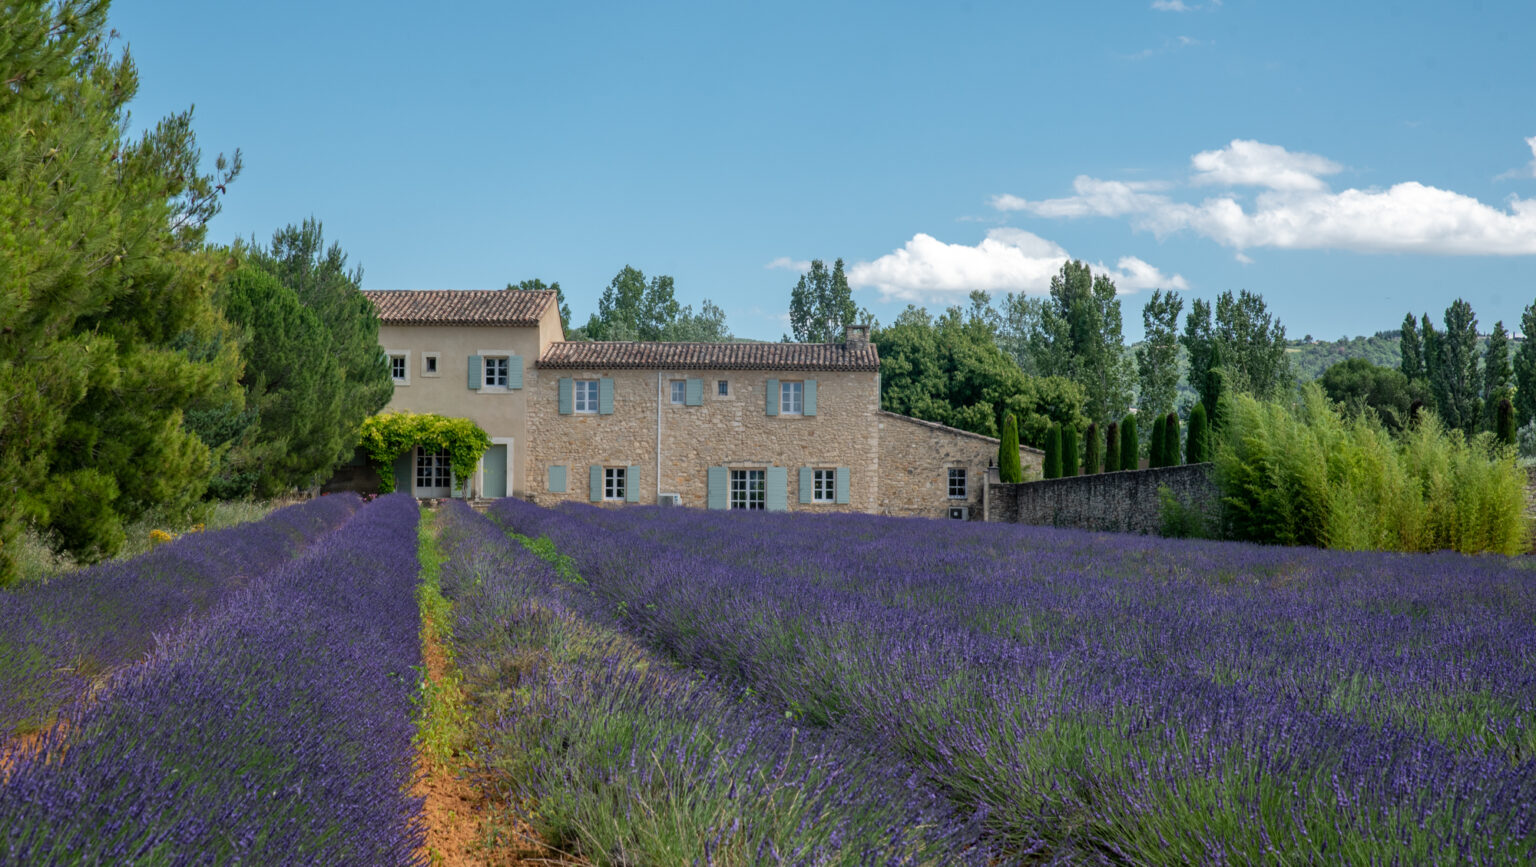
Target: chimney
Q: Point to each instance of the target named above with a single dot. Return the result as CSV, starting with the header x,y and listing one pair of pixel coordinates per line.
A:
x,y
857,336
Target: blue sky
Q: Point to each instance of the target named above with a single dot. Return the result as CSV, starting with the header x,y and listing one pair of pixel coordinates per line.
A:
x,y
1350,162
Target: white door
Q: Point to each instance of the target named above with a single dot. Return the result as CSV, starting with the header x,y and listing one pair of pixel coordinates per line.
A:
x,y
434,474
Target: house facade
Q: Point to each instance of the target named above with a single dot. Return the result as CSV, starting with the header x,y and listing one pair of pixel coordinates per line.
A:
x,y
775,426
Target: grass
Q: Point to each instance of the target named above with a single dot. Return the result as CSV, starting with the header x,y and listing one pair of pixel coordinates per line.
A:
x,y
442,712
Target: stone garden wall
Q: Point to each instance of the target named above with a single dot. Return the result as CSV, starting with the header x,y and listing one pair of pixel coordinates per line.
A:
x,y
1123,502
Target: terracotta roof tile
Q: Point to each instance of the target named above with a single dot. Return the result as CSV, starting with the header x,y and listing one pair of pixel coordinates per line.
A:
x,y
460,307
631,355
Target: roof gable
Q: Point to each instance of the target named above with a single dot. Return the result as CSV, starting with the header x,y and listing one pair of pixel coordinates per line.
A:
x,y
646,355
460,307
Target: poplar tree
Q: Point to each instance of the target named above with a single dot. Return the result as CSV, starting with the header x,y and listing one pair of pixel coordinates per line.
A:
x,y
1525,369
1157,358
1454,378
1129,445
1052,466
1069,463
1412,348
106,294
821,304
1498,377
1092,458
1010,468
1112,448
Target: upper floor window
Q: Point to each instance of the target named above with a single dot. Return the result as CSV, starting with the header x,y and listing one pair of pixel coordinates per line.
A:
x,y
399,367
615,482
494,371
723,388
957,487
429,363
586,395
791,398
679,391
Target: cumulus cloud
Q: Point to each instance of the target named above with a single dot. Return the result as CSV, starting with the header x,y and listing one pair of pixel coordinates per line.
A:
x,y
1529,169
1171,6
1298,210
1008,259
788,264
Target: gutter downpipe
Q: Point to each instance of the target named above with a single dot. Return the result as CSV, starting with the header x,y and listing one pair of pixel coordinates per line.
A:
x,y
658,437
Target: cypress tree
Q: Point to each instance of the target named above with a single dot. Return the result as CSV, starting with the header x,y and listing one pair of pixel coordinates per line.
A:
x,y
1197,450
1091,460
1052,466
1155,446
1112,448
1171,440
1009,468
1215,384
1129,447
1069,461
1505,426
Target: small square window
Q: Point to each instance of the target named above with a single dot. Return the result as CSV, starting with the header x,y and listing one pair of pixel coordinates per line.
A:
x,y
957,487
679,391
823,486
615,480
494,371
723,388
429,363
397,370
586,395
791,398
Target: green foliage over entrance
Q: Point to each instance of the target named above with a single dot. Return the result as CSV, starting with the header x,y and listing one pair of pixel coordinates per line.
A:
x,y
389,435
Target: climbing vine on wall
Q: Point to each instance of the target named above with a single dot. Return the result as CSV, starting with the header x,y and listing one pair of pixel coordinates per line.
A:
x,y
388,435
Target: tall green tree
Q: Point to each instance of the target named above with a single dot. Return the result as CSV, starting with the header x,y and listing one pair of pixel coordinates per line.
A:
x,y
1069,457
1360,385
632,308
821,304
105,285
1075,333
1051,466
1155,443
1498,376
1112,447
1010,467
706,326
1093,458
1525,369
1171,440
1412,349
1197,447
1252,345
1453,377
1130,445
1157,358
537,285
319,277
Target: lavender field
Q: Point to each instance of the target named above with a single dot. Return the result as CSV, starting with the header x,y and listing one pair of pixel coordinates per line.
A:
x,y
1099,697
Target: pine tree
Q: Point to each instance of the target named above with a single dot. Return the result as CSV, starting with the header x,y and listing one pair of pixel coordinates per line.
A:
x,y
1498,378
1112,448
1130,447
1155,443
1525,369
1092,461
1197,449
1171,440
1069,463
1010,468
1052,467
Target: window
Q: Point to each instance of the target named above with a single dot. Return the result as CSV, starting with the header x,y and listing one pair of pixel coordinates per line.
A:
x,y
957,489
791,398
747,488
679,391
723,388
615,480
586,395
398,370
494,372
823,486
429,364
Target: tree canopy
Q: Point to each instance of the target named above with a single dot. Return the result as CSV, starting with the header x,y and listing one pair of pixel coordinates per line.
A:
x,y
821,305
535,285
633,309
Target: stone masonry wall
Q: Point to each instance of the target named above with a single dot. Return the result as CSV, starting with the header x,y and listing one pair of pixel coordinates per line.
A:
x,y
915,457
732,431
1123,502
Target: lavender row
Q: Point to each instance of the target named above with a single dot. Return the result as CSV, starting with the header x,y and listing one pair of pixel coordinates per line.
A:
x,y
1078,739
630,761
1438,642
58,638
276,730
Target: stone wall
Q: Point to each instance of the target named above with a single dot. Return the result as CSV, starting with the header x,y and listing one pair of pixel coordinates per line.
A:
x,y
1123,502
915,459
731,430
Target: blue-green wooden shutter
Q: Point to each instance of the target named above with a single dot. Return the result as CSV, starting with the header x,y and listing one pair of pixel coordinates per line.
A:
x,y
632,485
773,397
719,484
515,371
565,395
695,393
807,484
776,497
810,397
595,484
557,480
474,372
840,492
605,396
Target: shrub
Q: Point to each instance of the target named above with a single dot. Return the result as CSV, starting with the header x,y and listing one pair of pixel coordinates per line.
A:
x,y
1009,468
1129,445
1091,460
1069,462
1180,520
1052,467
1198,447
1112,448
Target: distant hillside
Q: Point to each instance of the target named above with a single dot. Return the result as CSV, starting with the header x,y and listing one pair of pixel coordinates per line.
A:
x,y
1309,360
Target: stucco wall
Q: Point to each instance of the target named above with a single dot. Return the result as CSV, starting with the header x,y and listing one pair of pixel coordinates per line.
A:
x,y
732,431
915,457
1123,502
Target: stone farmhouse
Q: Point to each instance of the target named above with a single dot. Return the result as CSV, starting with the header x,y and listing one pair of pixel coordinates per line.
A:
x,y
775,426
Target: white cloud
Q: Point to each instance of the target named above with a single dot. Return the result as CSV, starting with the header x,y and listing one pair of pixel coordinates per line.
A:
x,y
788,264
1243,258
1008,259
1171,6
1255,164
1298,210
1529,169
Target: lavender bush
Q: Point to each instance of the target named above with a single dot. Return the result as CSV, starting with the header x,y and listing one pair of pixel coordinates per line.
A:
x,y
629,761
276,730
1121,697
56,639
